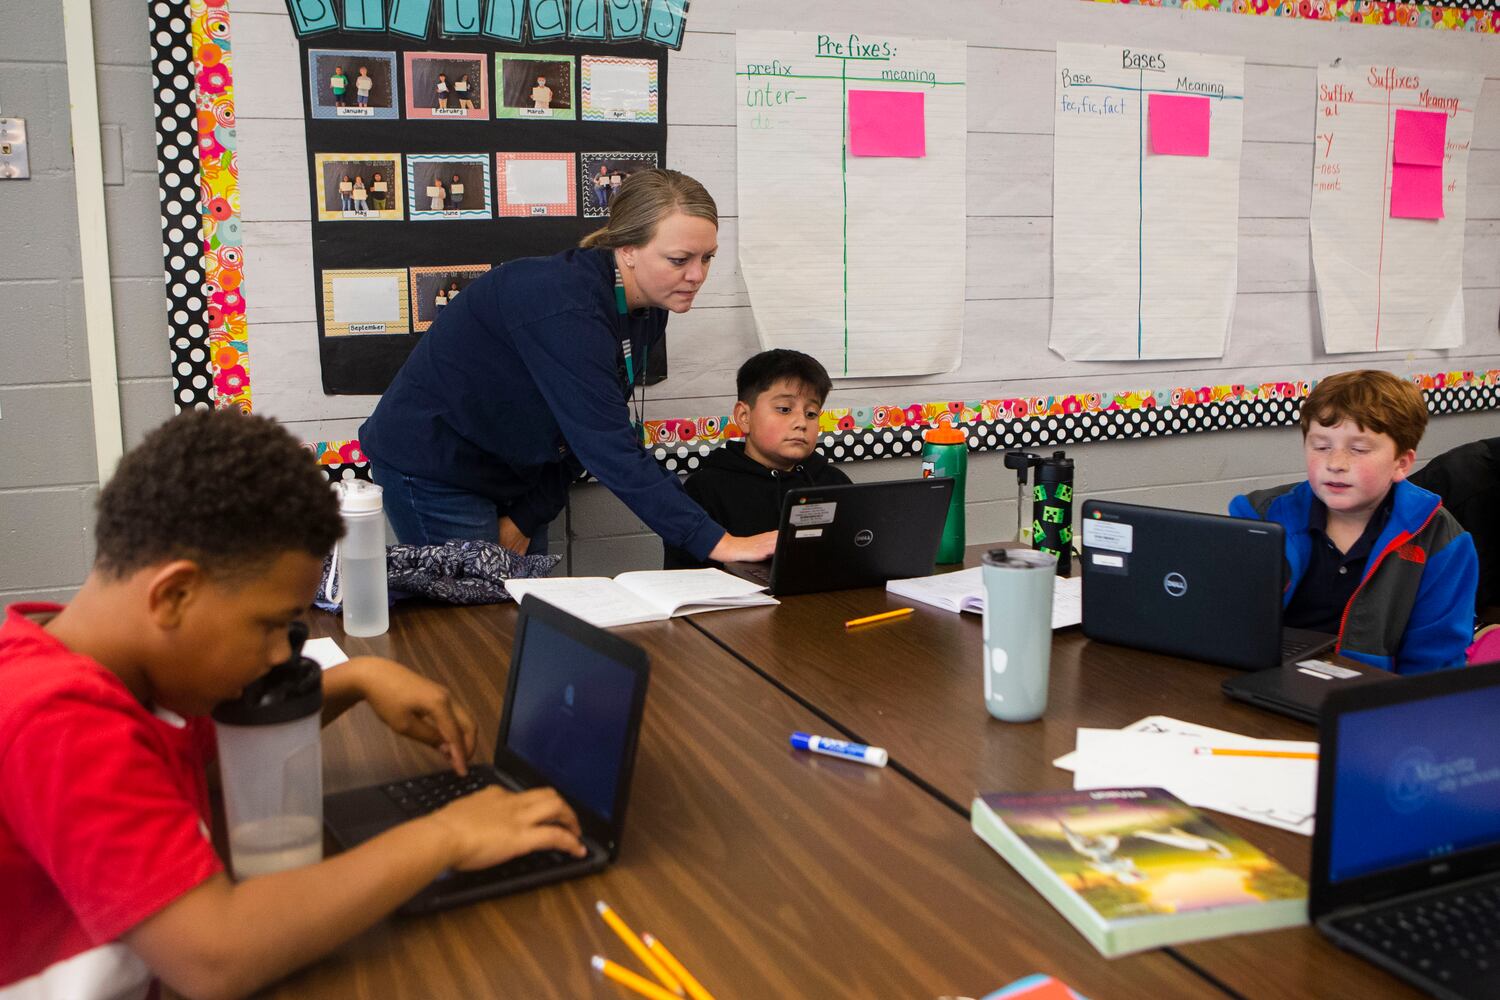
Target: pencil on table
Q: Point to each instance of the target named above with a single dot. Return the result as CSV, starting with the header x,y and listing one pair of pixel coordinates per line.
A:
x,y
630,980
638,949
884,616
1281,754
694,988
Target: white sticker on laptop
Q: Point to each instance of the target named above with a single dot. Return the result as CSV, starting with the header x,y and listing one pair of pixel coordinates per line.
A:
x,y
808,514
1326,670
1102,559
809,532
1111,535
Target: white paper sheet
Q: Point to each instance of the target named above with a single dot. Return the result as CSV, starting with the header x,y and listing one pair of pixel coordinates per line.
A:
x,y
325,652
1387,284
596,600
963,590
1166,753
1145,246
626,86
856,260
536,182
372,299
670,589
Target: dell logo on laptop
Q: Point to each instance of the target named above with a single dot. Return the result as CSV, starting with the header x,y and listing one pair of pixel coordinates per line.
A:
x,y
864,537
1175,584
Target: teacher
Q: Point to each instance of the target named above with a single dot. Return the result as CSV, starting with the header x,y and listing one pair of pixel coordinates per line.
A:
x,y
531,376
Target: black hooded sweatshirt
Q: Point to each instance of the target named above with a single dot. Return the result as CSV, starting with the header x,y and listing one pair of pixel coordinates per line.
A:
x,y
744,496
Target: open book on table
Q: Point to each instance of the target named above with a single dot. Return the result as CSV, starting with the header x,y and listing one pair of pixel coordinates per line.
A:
x,y
964,591
646,596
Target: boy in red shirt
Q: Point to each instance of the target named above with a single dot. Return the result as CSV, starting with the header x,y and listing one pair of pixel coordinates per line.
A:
x,y
210,537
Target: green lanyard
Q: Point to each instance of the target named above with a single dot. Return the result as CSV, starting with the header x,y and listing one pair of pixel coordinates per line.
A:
x,y
639,400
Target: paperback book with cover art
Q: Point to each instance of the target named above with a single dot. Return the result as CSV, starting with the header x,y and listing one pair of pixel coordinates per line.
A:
x,y
1136,868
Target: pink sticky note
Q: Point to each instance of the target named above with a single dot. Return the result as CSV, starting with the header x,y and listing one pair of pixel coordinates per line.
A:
x,y
887,123
1420,137
1178,124
1416,191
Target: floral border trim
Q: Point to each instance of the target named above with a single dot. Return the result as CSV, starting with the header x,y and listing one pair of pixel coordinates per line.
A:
x,y
1406,15
991,415
223,240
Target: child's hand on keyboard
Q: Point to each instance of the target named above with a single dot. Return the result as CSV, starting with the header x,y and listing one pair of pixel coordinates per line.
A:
x,y
492,826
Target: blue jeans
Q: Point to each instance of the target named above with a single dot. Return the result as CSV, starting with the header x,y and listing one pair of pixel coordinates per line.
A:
x,y
427,512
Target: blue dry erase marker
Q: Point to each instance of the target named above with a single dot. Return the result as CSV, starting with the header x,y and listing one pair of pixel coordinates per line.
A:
x,y
839,748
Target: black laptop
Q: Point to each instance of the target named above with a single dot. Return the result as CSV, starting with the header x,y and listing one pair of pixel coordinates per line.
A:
x,y
1204,586
1299,689
1406,852
854,535
571,720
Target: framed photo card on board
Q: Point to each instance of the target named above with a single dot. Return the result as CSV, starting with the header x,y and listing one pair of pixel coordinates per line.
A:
x,y
365,302
535,184
532,86
602,174
446,186
358,187
352,84
444,85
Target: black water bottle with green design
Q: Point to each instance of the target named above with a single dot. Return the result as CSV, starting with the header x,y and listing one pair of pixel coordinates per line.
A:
x,y
1052,510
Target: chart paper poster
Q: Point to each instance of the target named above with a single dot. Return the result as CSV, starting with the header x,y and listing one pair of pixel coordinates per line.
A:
x,y
857,260
1145,234
1388,206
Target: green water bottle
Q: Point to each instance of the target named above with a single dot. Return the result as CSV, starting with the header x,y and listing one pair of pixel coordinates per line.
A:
x,y
945,452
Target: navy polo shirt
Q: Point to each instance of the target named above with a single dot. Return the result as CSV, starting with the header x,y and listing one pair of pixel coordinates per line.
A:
x,y
519,386
1332,576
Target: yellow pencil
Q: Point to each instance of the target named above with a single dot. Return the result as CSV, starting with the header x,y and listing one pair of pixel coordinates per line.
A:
x,y
694,988
638,949
630,980
1283,754
879,618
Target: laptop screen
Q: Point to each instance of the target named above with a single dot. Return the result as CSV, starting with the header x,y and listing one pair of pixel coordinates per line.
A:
x,y
571,716
1415,781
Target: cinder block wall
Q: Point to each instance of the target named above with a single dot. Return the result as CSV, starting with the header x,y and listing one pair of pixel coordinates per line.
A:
x,y
47,468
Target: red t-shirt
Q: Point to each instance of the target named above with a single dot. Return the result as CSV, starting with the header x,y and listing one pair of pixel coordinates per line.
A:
x,y
103,816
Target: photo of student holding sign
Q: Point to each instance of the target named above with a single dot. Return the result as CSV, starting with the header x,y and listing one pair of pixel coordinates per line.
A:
x,y
537,372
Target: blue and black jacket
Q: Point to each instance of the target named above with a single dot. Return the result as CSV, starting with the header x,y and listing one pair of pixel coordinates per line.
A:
x,y
520,385
1413,611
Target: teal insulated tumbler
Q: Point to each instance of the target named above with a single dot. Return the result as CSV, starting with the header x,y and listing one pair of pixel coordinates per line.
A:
x,y
1017,632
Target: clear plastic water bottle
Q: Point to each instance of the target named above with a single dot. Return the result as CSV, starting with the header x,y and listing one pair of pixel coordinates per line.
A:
x,y
945,452
361,557
271,761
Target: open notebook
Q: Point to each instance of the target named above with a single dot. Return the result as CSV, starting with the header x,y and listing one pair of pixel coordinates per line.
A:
x,y
646,596
964,591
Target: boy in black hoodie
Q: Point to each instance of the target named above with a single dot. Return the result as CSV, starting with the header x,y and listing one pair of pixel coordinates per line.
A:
x,y
741,485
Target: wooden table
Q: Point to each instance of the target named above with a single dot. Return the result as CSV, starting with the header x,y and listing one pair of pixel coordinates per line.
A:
x,y
915,687
771,873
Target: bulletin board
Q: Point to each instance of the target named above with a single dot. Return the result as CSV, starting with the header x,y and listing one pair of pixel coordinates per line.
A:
x,y
244,311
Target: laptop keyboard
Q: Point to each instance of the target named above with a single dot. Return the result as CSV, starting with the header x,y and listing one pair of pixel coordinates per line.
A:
x,y
429,793
1295,647
1452,939
759,572
420,796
